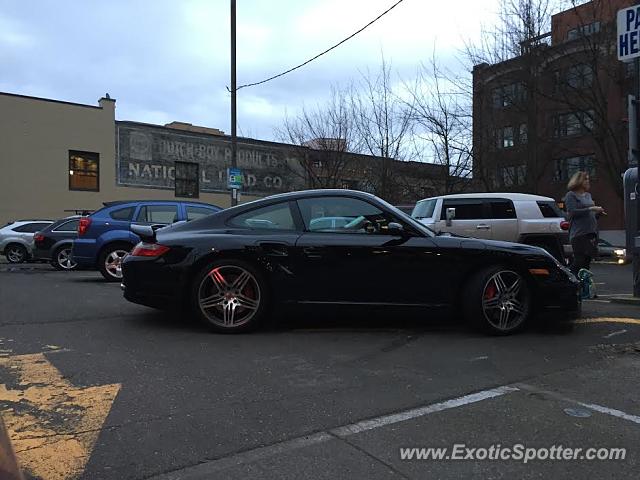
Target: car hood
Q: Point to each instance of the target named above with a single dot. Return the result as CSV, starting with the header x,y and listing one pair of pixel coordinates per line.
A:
x,y
496,245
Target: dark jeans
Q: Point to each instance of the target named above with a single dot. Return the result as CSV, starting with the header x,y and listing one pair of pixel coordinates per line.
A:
x,y
585,247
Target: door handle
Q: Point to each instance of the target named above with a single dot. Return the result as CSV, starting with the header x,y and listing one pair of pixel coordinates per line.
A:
x,y
482,226
312,252
277,249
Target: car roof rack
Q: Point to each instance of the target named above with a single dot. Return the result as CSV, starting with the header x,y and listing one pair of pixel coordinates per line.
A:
x,y
120,202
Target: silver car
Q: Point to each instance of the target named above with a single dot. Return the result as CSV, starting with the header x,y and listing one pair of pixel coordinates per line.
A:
x,y
16,239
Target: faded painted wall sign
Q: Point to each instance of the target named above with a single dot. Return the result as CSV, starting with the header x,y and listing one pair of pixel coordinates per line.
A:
x,y
146,157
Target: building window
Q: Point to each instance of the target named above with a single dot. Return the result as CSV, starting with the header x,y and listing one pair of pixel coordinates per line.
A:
x,y
505,137
512,175
566,167
580,76
523,135
509,95
187,180
84,171
583,31
573,123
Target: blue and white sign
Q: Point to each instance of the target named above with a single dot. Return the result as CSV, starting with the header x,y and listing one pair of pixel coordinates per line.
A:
x,y
629,33
234,178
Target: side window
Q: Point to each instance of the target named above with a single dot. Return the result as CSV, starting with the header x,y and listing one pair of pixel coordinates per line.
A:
x,y
193,213
158,214
70,226
501,209
343,215
31,227
550,210
273,217
472,209
122,213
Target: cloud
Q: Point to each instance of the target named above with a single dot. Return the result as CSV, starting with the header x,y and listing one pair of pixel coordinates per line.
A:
x,y
168,60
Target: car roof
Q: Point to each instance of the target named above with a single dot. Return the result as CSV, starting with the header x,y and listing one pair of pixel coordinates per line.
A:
x,y
517,197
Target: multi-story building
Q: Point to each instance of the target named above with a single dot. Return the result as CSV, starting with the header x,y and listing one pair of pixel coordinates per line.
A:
x,y
59,156
557,108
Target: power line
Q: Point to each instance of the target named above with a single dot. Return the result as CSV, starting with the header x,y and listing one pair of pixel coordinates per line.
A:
x,y
322,53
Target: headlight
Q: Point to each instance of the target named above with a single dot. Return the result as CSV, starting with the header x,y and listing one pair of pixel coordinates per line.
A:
x,y
621,252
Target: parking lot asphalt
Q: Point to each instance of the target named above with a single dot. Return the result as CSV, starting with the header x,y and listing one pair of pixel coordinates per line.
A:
x,y
95,387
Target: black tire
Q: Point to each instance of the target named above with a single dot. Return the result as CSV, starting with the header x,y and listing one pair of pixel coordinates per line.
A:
x,y
61,258
226,295
486,303
110,269
16,253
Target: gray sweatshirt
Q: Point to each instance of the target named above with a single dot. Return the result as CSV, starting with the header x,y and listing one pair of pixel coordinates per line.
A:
x,y
583,220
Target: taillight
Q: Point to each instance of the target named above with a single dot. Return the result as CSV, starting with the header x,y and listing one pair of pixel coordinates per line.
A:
x,y
149,250
564,225
83,226
38,237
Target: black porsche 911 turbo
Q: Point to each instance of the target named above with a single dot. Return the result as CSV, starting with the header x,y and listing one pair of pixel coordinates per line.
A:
x,y
338,247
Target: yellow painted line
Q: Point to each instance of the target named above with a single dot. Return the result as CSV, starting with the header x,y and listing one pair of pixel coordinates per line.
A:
x,y
52,424
627,321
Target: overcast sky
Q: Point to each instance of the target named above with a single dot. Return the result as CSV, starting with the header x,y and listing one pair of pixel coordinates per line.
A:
x,y
166,60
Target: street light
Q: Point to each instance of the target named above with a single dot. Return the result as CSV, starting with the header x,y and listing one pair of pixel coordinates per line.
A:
x,y
234,138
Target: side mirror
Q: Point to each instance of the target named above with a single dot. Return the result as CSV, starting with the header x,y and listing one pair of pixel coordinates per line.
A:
x,y
450,215
394,228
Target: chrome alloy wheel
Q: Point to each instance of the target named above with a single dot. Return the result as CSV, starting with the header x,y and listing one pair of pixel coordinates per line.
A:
x,y
504,300
64,259
229,296
113,263
16,254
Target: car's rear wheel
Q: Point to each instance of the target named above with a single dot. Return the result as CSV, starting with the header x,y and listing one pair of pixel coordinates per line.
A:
x,y
230,296
16,253
498,300
110,261
62,259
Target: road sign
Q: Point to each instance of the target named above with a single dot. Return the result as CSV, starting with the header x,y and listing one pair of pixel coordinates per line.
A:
x,y
234,178
629,33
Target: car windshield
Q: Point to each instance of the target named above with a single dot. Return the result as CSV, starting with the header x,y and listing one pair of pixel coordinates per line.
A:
x,y
409,219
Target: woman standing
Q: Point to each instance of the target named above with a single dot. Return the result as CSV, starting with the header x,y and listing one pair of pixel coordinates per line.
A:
x,y
583,216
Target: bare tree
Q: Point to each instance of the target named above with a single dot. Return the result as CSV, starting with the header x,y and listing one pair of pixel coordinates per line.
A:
x,y
330,133
384,127
443,125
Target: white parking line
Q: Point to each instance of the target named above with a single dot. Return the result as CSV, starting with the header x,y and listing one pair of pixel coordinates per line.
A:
x,y
205,470
591,406
613,334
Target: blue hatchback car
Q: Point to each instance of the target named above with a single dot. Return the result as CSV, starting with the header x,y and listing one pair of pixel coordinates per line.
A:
x,y
105,236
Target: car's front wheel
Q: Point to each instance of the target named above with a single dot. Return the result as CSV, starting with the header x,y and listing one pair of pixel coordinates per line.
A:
x,y
16,253
230,296
498,300
62,259
110,261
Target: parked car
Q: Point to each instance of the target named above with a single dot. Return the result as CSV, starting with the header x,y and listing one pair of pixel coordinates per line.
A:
x,y
16,239
511,217
54,242
229,270
607,252
105,236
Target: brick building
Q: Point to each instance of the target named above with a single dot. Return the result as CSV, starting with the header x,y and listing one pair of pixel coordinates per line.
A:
x,y
557,108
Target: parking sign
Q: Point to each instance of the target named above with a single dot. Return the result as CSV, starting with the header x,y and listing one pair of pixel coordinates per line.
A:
x,y
629,33
234,178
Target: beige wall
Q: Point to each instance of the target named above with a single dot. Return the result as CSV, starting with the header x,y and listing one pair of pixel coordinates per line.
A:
x,y
35,138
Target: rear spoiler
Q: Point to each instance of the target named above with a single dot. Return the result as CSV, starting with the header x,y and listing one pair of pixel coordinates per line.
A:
x,y
147,233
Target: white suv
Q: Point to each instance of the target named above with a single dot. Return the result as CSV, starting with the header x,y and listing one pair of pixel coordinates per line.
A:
x,y
510,217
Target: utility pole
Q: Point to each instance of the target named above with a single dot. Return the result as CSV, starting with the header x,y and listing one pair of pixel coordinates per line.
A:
x,y
234,122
